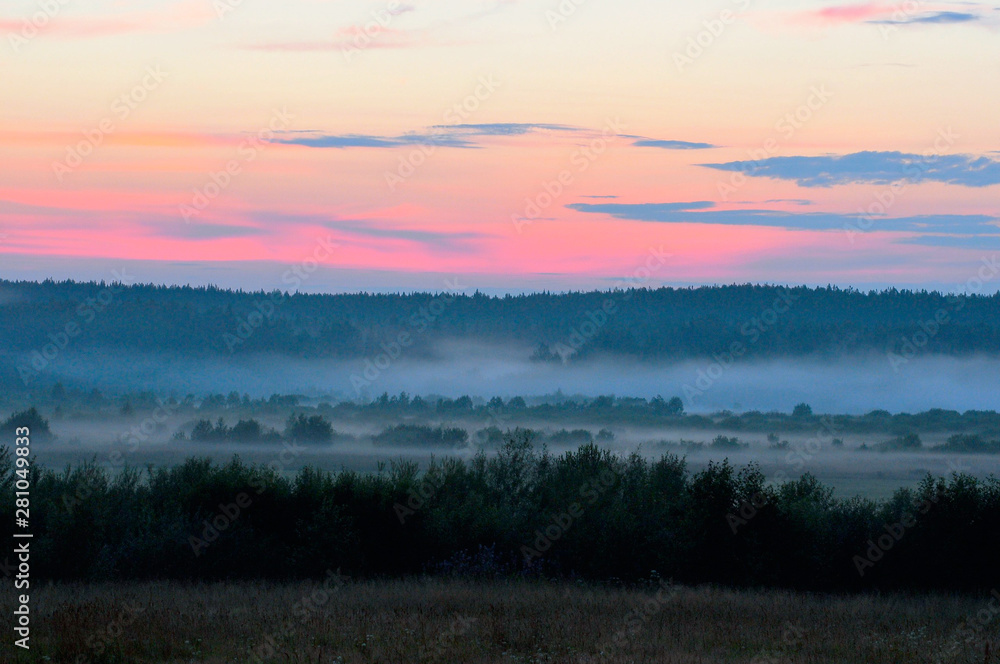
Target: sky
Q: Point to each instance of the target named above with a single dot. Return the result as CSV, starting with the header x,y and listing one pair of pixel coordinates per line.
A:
x,y
516,145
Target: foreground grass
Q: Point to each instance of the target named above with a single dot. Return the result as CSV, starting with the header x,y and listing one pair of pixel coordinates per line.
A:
x,y
478,622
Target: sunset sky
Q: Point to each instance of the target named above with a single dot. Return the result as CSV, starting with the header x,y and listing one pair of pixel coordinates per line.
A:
x,y
515,144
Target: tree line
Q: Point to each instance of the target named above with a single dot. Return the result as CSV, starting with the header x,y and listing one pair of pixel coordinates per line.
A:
x,y
521,512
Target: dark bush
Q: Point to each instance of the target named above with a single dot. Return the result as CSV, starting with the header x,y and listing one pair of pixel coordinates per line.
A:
x,y
313,429
905,442
969,444
31,419
204,432
414,435
727,443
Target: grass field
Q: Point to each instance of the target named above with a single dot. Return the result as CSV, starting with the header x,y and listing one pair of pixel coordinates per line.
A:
x,y
338,620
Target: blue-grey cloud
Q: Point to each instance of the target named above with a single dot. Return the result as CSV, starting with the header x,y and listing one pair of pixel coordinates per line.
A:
x,y
672,145
662,212
14,208
704,212
402,9
931,17
796,201
372,228
451,136
437,239
503,128
369,141
198,231
872,168
981,242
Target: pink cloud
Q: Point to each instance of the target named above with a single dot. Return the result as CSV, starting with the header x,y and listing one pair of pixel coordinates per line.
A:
x,y
178,16
851,13
844,14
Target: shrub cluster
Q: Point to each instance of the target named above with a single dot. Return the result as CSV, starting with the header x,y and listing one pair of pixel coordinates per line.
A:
x,y
416,435
30,419
309,429
964,443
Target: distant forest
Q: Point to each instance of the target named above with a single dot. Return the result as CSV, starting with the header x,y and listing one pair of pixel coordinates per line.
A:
x,y
664,323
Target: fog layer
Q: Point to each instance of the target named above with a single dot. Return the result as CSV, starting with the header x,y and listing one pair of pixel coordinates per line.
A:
x,y
851,385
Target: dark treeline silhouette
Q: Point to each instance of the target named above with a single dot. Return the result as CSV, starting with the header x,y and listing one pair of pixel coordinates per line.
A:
x,y
664,323
584,514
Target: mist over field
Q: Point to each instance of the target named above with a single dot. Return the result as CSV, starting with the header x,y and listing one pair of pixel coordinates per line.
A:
x,y
849,384
844,386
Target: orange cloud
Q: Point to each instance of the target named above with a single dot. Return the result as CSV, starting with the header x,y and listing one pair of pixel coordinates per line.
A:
x,y
147,138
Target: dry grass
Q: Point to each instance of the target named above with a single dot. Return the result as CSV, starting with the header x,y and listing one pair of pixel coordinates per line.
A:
x,y
479,622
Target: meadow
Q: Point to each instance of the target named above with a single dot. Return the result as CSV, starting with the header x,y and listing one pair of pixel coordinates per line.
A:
x,y
424,620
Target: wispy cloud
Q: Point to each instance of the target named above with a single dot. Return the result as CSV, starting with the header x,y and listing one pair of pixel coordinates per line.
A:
x,y
931,17
202,231
707,212
176,16
978,242
885,13
795,201
376,229
442,33
505,128
671,145
440,240
348,38
849,13
317,140
872,168
461,136
452,136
